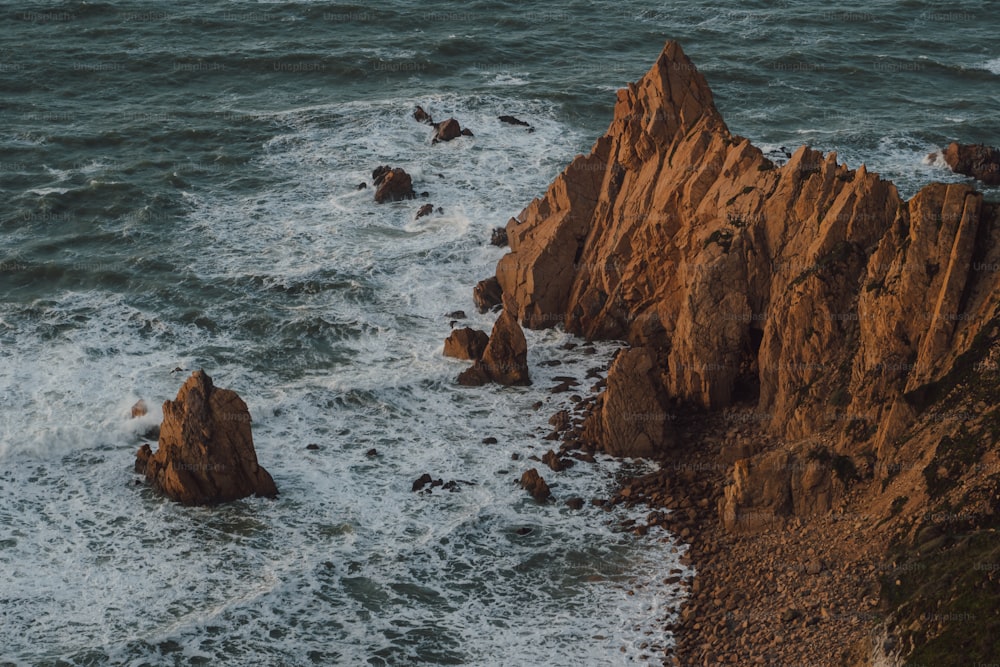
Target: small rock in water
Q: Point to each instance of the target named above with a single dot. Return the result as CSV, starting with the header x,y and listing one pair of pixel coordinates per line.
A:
x,y
371,453
313,446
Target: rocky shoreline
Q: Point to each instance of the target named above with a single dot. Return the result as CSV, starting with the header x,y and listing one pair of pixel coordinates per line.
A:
x,y
813,360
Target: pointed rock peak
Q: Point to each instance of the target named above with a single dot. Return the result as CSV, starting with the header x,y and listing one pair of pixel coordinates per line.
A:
x,y
672,97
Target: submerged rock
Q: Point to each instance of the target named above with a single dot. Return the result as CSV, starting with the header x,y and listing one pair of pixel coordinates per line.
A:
x,y
533,483
206,454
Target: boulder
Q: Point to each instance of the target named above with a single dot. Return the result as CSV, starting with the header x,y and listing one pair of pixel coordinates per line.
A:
x,y
466,343
533,483
426,209
392,184
473,376
976,160
505,359
139,409
447,130
487,294
206,454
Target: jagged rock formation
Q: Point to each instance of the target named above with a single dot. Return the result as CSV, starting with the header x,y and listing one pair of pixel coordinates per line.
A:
x,y
858,332
813,288
206,453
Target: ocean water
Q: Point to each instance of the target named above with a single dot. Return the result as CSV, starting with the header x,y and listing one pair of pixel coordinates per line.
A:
x,y
178,185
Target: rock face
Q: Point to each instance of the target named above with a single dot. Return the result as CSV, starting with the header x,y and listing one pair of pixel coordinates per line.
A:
x,y
812,290
634,418
976,160
392,184
206,453
466,343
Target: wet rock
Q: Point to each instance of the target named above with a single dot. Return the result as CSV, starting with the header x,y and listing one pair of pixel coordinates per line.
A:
x,y
511,120
422,116
456,315
447,130
976,160
575,503
206,454
372,453
422,481
499,237
139,409
361,186
487,294
426,209
312,447
489,441
473,376
466,343
392,184
560,420
553,461
533,483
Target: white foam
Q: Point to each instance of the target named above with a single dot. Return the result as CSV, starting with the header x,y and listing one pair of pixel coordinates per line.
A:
x,y
348,562
992,66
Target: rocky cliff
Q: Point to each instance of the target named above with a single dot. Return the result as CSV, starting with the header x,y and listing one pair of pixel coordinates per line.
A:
x,y
810,292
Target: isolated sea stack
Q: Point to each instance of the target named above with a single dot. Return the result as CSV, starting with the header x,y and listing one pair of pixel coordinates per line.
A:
x,y
845,319
206,453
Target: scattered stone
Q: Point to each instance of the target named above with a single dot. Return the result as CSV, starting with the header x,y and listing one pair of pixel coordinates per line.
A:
x,y
489,441
575,503
312,446
560,420
372,453
206,454
426,209
557,464
533,483
466,343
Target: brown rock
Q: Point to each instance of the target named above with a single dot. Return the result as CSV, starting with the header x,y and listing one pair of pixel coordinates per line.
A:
x,y
426,209
466,343
976,160
533,483
553,461
206,453
447,130
633,417
505,359
473,376
422,116
139,409
487,294
575,503
392,185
